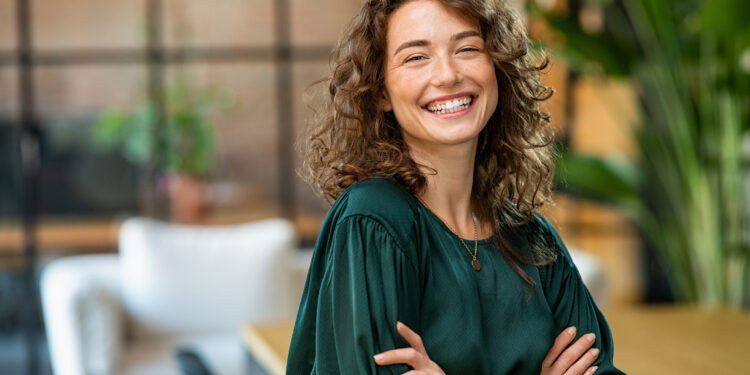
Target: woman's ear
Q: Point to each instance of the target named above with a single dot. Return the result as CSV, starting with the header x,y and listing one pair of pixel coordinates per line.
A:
x,y
384,103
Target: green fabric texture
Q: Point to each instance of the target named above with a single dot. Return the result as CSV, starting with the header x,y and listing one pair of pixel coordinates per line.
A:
x,y
383,257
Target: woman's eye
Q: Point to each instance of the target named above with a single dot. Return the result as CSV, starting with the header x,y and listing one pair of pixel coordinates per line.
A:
x,y
469,49
415,58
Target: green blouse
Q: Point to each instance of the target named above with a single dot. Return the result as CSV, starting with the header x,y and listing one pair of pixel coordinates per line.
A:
x,y
383,257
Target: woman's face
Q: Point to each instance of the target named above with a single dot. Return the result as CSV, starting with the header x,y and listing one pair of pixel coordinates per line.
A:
x,y
439,80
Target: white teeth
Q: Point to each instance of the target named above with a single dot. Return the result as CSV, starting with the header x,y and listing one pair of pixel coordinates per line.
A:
x,y
451,106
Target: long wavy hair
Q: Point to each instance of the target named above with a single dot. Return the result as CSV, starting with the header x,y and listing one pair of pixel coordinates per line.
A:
x,y
351,139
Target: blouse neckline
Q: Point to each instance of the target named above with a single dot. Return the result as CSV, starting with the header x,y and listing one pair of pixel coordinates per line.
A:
x,y
445,226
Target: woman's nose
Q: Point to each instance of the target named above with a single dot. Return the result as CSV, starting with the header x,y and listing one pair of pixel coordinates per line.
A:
x,y
445,73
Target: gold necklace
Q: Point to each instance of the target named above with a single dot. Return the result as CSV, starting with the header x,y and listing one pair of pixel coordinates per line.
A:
x,y
474,261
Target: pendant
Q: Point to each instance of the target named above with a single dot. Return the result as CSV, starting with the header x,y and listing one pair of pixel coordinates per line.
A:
x,y
476,265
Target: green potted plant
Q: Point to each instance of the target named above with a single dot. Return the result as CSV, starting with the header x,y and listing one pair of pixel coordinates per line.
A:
x,y
689,62
185,152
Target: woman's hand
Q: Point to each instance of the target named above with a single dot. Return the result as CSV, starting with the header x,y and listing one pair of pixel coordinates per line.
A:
x,y
416,356
575,360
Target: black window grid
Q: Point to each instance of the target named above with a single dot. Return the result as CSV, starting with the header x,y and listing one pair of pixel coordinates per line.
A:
x,y
156,56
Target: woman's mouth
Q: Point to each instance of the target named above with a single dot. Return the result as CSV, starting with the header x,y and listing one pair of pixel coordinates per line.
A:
x,y
454,105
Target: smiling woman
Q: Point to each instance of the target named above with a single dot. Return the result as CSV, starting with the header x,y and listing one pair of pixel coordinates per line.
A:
x,y
434,154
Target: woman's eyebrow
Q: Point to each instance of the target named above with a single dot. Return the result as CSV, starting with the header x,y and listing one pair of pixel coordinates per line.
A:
x,y
422,42
412,43
465,34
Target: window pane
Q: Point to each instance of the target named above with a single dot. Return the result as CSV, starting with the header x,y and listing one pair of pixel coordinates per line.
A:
x,y
245,175
7,25
218,23
314,22
9,93
88,23
311,208
78,90
9,195
77,178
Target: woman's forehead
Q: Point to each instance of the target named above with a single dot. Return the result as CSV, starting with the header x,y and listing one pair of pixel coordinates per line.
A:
x,y
427,20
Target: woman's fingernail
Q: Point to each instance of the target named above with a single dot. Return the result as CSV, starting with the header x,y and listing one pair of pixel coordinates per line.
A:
x,y
377,357
595,352
595,368
399,324
590,337
571,330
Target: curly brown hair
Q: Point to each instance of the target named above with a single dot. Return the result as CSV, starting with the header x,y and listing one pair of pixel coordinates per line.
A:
x,y
352,139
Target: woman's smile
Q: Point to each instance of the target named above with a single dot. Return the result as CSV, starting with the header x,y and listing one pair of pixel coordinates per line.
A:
x,y
451,106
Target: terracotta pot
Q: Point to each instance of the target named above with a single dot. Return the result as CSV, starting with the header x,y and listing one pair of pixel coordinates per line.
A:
x,y
187,198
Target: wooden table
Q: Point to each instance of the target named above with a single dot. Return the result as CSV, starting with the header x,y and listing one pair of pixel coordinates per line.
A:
x,y
648,340
681,340
269,344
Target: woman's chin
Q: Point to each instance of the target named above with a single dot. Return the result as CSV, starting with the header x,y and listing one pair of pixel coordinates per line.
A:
x,y
449,140
458,137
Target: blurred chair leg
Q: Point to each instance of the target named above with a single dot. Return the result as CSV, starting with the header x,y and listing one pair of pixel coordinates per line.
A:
x,y
191,363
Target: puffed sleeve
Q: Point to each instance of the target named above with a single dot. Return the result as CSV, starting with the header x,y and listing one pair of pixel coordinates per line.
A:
x,y
369,282
572,304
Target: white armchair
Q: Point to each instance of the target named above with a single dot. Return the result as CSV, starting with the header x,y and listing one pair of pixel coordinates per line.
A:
x,y
169,286
592,275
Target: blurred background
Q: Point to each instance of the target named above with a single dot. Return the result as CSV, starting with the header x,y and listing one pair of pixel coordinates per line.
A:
x,y
187,112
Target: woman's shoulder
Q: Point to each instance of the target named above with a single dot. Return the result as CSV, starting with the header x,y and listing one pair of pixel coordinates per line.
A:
x,y
381,197
554,243
382,200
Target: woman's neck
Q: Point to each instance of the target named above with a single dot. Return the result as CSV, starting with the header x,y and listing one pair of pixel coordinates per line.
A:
x,y
448,192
